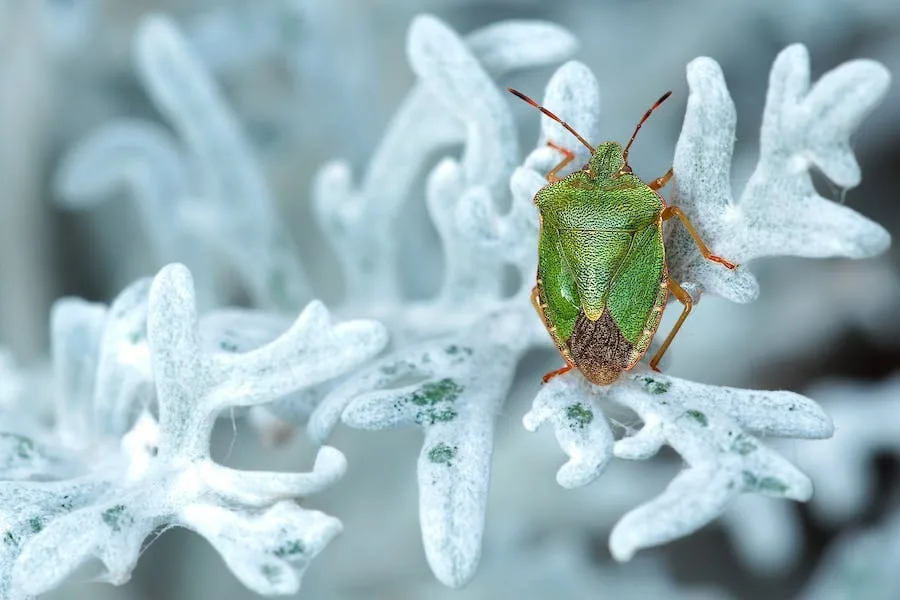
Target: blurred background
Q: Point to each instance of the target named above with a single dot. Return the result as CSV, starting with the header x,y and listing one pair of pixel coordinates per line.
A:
x,y
311,82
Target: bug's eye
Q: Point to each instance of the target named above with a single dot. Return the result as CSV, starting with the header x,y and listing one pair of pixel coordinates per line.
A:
x,y
627,169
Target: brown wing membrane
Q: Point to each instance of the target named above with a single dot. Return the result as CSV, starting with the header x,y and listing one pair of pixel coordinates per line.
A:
x,y
599,349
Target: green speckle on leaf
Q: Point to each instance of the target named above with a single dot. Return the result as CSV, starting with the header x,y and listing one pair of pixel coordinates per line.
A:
x,y
697,416
390,370
113,517
749,479
772,485
289,549
436,398
442,454
24,447
228,346
136,337
767,484
272,573
433,392
655,387
579,415
454,350
10,539
743,444
36,524
432,416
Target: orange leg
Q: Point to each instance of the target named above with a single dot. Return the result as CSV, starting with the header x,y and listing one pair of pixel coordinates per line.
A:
x,y
661,181
688,303
674,211
552,176
536,301
560,371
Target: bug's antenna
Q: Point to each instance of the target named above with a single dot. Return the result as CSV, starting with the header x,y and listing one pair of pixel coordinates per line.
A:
x,y
552,116
646,116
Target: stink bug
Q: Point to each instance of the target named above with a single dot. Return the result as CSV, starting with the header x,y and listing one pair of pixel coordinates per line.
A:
x,y
602,281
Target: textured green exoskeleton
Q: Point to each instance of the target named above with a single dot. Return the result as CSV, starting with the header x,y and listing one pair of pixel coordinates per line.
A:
x,y
602,282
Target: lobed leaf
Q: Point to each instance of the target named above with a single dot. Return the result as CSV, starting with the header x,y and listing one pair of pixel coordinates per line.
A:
x,y
779,212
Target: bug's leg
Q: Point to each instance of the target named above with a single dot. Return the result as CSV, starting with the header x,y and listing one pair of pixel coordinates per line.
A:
x,y
661,181
552,176
536,301
674,211
560,371
688,304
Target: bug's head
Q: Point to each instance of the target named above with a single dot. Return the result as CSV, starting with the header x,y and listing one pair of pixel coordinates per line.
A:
x,y
608,160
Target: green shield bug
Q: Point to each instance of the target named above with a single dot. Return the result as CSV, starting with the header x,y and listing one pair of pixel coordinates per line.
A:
x,y
602,281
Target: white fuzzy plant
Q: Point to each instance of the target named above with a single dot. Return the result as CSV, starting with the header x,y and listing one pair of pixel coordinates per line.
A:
x,y
865,426
110,474
454,357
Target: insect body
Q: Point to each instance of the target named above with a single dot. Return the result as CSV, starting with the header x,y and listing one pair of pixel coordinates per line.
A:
x,y
602,282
